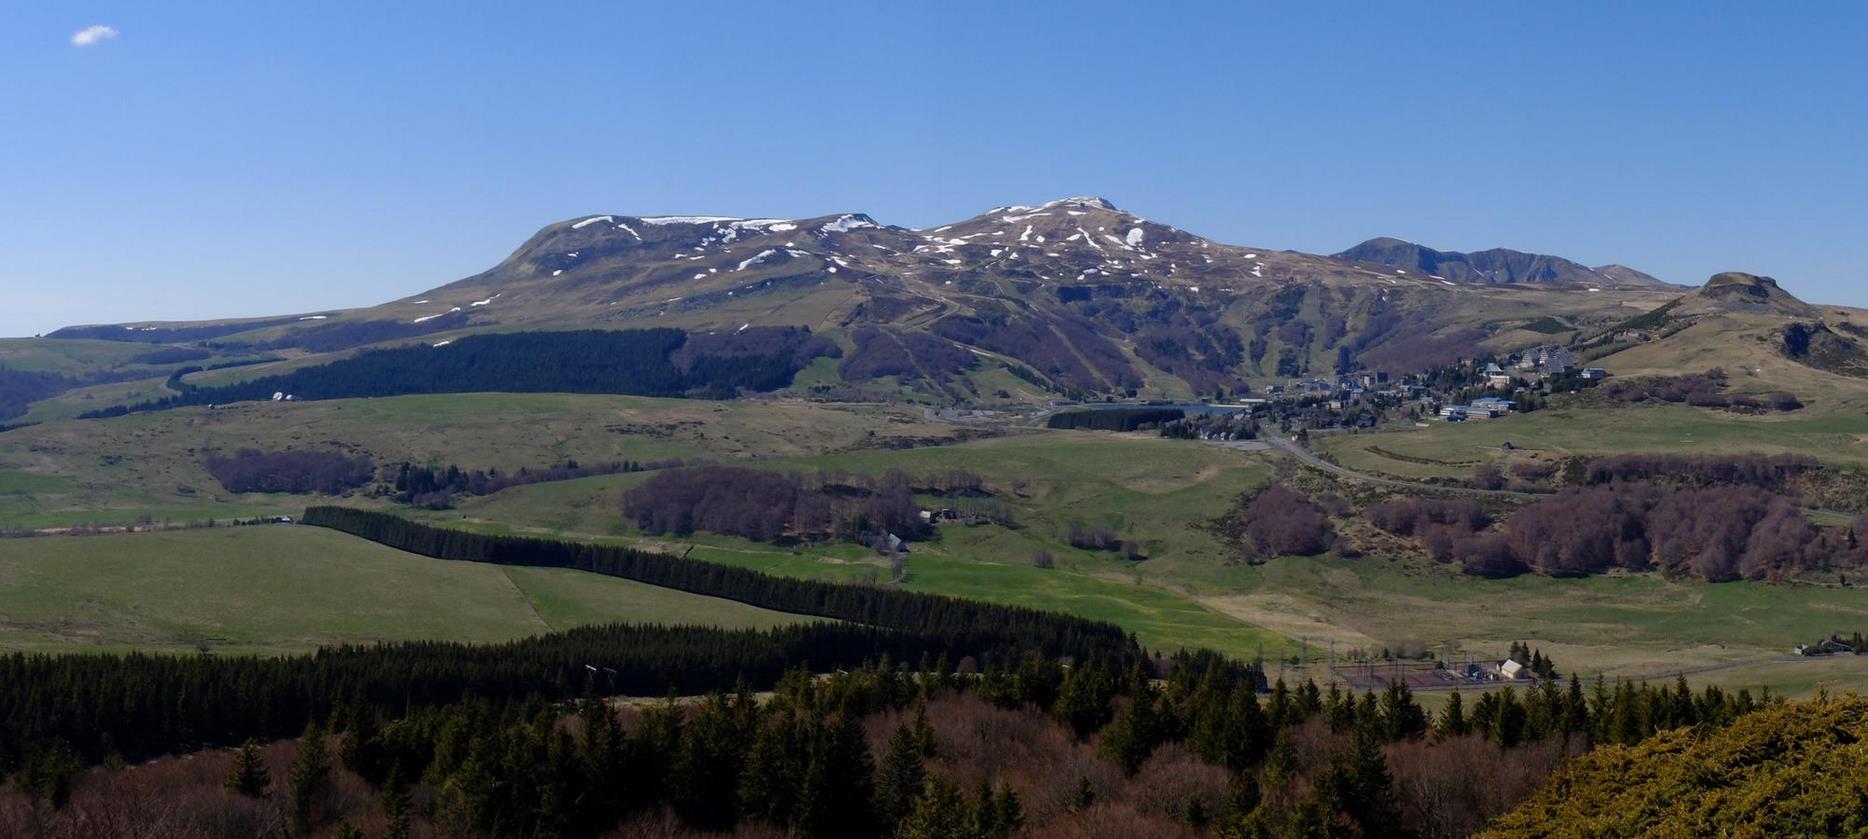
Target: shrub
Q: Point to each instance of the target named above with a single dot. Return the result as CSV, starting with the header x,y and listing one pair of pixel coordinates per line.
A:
x,y
1284,522
329,473
1412,516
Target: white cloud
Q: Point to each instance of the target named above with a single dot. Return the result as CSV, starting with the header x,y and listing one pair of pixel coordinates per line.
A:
x,y
92,35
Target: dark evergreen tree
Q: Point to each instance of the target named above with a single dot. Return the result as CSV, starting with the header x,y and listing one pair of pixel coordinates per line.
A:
x,y
308,779
902,779
248,776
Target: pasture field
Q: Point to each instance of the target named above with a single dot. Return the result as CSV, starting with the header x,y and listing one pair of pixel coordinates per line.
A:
x,y
1618,625
1157,492
1187,592
1163,494
119,469
1838,437
279,589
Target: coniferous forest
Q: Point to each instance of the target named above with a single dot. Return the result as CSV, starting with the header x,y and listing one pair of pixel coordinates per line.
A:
x,y
641,362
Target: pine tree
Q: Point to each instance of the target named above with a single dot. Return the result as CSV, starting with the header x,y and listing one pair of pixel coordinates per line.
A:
x,y
939,812
604,758
307,779
982,816
1130,738
396,805
363,750
1357,783
1452,722
1508,725
924,731
1575,708
1009,814
1281,763
1083,700
838,788
1402,717
708,766
248,774
774,766
902,778
1339,710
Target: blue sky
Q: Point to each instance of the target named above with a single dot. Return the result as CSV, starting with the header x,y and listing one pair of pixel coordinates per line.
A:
x,y
219,159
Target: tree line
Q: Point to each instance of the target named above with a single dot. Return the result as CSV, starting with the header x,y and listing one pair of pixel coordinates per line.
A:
x,y
1114,419
981,628
434,487
644,362
858,752
136,706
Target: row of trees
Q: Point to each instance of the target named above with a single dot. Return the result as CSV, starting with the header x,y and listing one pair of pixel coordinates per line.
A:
x,y
1765,471
434,487
979,628
1114,419
252,470
648,362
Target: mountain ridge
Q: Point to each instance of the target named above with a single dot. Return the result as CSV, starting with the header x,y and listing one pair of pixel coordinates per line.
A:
x,y
1072,296
1493,265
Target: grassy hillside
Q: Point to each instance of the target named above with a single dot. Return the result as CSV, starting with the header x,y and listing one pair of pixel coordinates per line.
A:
x,y
113,471
1189,590
1789,771
276,589
1836,434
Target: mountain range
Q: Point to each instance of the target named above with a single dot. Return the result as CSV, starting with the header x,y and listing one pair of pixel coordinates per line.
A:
x,y
1069,297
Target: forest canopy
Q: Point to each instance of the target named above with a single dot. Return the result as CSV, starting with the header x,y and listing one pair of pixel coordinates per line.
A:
x,y
641,362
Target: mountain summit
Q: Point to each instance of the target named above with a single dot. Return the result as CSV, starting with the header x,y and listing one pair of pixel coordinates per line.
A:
x,y
1495,266
1072,296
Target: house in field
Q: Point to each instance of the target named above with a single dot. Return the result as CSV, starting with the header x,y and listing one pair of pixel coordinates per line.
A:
x,y
1512,670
